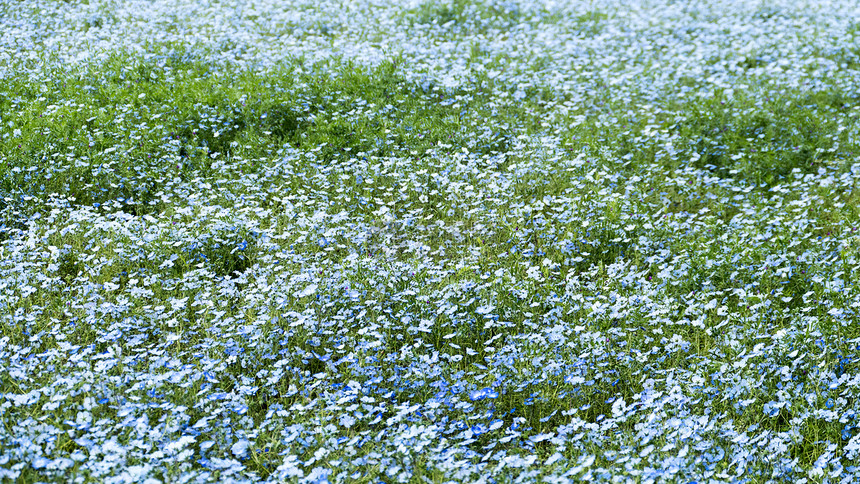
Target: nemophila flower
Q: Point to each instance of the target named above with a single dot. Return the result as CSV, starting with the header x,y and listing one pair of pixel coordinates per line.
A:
x,y
566,268
240,448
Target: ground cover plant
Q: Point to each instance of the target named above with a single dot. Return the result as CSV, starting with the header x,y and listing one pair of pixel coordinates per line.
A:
x,y
429,241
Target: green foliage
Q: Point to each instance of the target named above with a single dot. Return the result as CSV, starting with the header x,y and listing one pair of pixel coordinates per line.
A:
x,y
763,144
228,252
590,23
68,265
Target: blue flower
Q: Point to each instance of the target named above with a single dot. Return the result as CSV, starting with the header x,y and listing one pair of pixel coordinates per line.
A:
x,y
482,394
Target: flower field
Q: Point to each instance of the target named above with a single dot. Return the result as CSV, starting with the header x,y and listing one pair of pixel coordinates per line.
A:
x,y
429,241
